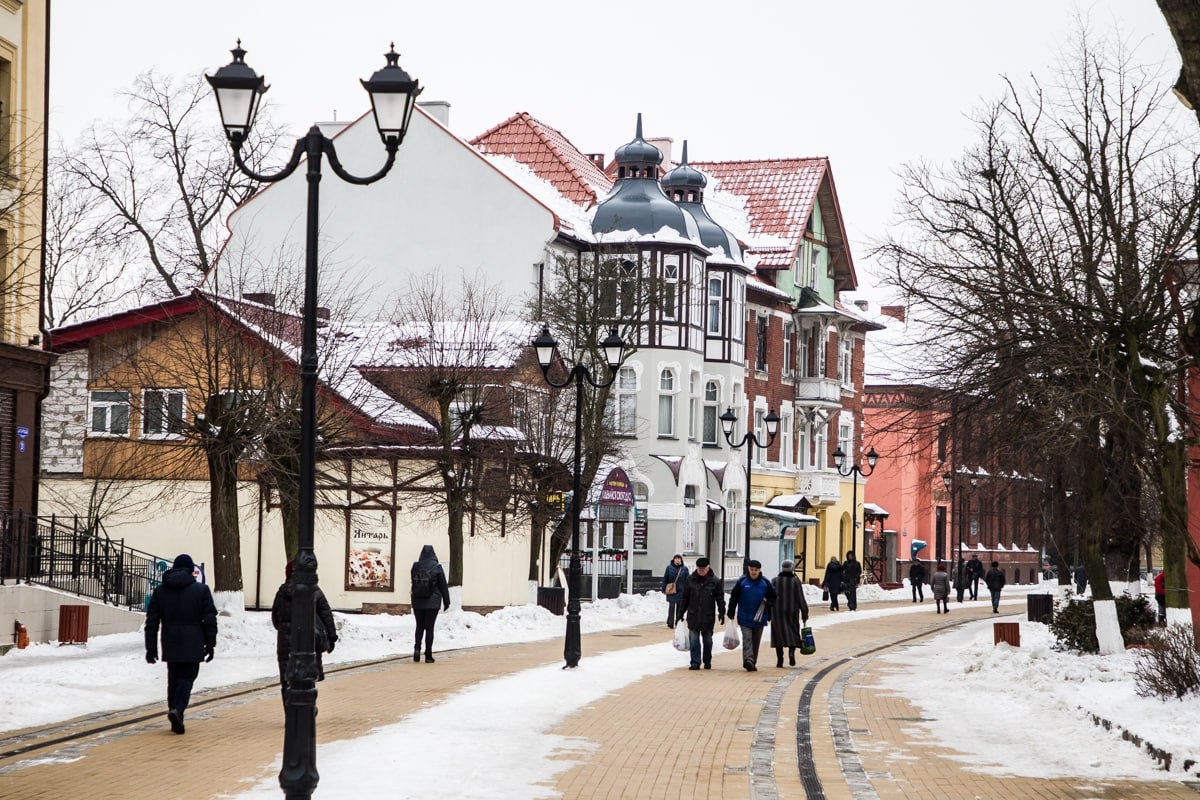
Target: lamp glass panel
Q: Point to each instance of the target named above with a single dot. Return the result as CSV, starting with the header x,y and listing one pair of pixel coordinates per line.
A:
x,y
237,106
391,111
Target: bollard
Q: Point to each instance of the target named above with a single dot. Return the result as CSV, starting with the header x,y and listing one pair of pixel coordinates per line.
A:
x,y
1007,632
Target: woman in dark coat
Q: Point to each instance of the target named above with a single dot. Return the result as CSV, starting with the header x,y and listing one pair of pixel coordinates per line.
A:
x,y
429,593
789,611
832,582
675,575
324,633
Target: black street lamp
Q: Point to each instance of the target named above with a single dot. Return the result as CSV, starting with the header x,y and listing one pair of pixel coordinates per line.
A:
x,y
393,94
856,470
750,440
960,511
614,353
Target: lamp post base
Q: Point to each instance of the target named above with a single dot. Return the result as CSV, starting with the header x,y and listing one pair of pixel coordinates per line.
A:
x,y
572,645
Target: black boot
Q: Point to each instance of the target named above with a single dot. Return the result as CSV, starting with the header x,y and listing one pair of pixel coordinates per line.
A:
x,y
428,656
417,655
779,658
791,656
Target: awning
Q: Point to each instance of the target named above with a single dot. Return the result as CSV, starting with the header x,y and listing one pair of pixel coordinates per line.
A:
x,y
874,510
714,506
789,502
785,516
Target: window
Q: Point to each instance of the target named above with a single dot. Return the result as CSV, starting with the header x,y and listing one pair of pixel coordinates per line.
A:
x,y
803,458
821,343
733,517
760,360
846,439
785,440
716,291
162,412
693,406
739,310
712,399
666,403
802,360
670,291
110,413
820,449
736,401
618,294
814,271
845,367
788,353
760,433
689,519
624,402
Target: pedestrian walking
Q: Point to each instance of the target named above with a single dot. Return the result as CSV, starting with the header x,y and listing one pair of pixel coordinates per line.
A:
x,y
672,583
940,584
832,582
751,600
429,593
851,575
916,579
1080,579
975,570
995,582
1160,596
324,631
961,575
789,613
702,603
185,610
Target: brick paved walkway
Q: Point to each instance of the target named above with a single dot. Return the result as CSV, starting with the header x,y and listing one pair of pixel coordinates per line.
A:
x,y
723,733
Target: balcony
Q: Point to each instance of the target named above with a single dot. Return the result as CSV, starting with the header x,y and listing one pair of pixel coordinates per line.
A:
x,y
819,487
819,392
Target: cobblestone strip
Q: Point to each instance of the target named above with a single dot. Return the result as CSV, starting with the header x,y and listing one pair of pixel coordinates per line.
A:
x,y
843,740
762,750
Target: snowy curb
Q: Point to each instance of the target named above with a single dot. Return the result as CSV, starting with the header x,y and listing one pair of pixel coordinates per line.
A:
x,y
1163,757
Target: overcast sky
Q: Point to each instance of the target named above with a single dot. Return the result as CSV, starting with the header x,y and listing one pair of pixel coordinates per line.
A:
x,y
870,83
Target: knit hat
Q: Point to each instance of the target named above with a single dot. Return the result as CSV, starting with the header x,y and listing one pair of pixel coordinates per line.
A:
x,y
184,561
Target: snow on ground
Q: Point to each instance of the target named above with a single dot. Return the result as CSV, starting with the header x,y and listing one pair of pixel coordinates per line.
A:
x,y
1017,711
492,745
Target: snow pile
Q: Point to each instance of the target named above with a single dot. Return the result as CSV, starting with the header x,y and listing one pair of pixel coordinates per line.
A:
x,y
1015,711
110,672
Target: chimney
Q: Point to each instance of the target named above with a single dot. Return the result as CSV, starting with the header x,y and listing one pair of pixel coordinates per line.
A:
x,y
895,312
262,298
862,304
663,143
438,109
597,159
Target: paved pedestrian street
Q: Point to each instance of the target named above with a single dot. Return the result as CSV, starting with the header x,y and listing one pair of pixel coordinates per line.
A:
x,y
816,731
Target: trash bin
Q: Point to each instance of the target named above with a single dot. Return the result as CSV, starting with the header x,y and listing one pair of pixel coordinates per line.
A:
x,y
552,598
1040,608
73,624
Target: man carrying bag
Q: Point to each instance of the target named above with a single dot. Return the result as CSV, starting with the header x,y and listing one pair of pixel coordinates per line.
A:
x,y
701,604
752,598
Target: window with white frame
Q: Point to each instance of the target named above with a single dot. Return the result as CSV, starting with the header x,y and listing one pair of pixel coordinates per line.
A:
x,y
666,403
821,342
846,438
820,456
788,352
716,291
623,404
845,366
689,519
760,433
670,291
785,439
803,439
763,328
162,412
712,399
109,413
736,401
739,309
802,355
618,292
733,515
815,269
693,406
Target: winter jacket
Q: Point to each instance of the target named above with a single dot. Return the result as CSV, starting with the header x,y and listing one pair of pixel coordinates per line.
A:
x,y
851,573
676,575
790,608
940,584
324,630
994,579
916,573
440,597
1158,584
1080,579
975,567
187,614
702,601
746,599
833,577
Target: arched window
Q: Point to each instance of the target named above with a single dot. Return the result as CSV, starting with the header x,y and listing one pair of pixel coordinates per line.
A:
x,y
666,403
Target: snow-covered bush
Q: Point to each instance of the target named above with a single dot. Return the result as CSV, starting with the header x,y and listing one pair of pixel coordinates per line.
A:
x,y
1074,623
1170,664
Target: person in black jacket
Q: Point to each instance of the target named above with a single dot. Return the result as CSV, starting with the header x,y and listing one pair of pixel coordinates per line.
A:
x,y
324,630
995,582
429,592
975,570
916,579
851,575
188,616
702,604
674,577
832,582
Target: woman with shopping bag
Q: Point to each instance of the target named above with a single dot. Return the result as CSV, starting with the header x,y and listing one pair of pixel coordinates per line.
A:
x,y
702,604
751,599
790,609
673,580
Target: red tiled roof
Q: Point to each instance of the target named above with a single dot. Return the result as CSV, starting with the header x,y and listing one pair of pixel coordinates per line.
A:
x,y
549,154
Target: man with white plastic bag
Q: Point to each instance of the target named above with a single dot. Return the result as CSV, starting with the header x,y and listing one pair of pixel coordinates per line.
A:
x,y
751,600
702,604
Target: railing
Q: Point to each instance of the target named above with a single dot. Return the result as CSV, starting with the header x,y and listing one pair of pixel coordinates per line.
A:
x,y
819,390
731,568
818,486
611,564
66,553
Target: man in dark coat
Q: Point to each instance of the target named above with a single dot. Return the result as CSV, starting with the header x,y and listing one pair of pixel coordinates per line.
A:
x,y
851,575
751,599
702,604
790,612
916,579
672,584
429,593
1080,579
188,616
324,631
962,574
995,582
975,570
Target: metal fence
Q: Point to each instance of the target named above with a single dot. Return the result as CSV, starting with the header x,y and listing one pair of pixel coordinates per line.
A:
x,y
611,564
66,553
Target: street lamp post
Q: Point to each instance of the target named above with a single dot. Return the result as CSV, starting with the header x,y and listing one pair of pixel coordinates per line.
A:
x,y
238,89
614,353
750,440
960,511
856,470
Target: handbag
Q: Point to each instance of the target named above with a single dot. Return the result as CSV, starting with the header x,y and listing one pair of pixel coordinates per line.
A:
x,y
824,595
808,645
731,641
673,586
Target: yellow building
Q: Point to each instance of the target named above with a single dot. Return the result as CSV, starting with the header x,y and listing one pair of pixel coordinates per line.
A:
x,y
24,366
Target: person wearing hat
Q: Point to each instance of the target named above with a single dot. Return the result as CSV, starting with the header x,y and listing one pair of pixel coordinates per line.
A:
x,y
185,611
324,630
702,604
941,589
790,610
673,580
751,599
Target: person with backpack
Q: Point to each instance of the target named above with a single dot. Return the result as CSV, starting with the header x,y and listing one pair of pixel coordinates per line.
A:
x,y
429,593
995,582
674,579
790,612
751,600
185,610
324,630
851,575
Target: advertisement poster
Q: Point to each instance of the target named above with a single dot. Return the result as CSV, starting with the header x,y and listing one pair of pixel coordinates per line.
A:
x,y
639,531
369,553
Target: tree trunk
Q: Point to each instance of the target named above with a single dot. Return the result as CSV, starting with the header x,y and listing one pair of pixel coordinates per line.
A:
x,y
454,527
223,518
1183,18
1094,530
